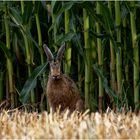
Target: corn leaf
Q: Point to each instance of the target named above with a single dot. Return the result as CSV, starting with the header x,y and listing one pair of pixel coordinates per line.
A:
x,y
67,37
108,90
31,83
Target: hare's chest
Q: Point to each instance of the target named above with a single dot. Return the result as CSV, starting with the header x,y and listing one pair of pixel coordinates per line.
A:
x,y
57,88
59,93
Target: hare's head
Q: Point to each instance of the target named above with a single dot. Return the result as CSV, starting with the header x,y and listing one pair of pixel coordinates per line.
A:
x,y
55,63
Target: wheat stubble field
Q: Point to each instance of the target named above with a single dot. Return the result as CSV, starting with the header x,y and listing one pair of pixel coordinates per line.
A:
x,y
109,125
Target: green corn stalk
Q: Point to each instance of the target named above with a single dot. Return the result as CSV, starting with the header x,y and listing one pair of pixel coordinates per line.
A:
x,y
135,55
112,54
112,59
22,6
1,85
93,76
15,39
125,50
68,51
79,74
118,53
79,67
39,37
87,58
28,61
54,24
100,61
39,41
9,60
28,55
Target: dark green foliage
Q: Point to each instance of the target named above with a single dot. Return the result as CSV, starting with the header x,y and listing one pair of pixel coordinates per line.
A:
x,y
31,83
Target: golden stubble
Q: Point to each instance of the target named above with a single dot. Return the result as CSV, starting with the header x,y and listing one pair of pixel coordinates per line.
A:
x,y
23,125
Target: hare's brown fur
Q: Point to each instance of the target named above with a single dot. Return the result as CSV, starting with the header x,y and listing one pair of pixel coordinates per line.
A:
x,y
61,90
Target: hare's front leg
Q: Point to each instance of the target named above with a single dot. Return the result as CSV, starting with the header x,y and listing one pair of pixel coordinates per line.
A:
x,y
52,107
80,105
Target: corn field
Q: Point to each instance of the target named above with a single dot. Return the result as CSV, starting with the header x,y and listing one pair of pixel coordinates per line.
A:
x,y
102,56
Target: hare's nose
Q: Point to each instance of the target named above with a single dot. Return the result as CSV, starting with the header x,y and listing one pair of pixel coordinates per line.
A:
x,y
55,77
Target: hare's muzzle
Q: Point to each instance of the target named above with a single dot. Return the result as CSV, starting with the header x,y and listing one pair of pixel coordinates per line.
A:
x,y
56,77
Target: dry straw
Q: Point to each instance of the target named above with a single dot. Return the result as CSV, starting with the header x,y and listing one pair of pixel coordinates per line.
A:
x,y
23,125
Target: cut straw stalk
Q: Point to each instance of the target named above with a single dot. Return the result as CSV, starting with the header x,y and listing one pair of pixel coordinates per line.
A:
x,y
110,125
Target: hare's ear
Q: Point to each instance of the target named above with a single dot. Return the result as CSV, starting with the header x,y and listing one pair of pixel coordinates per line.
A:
x,y
48,53
61,52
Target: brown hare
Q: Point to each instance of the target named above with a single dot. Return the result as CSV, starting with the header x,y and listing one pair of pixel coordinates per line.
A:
x,y
61,90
